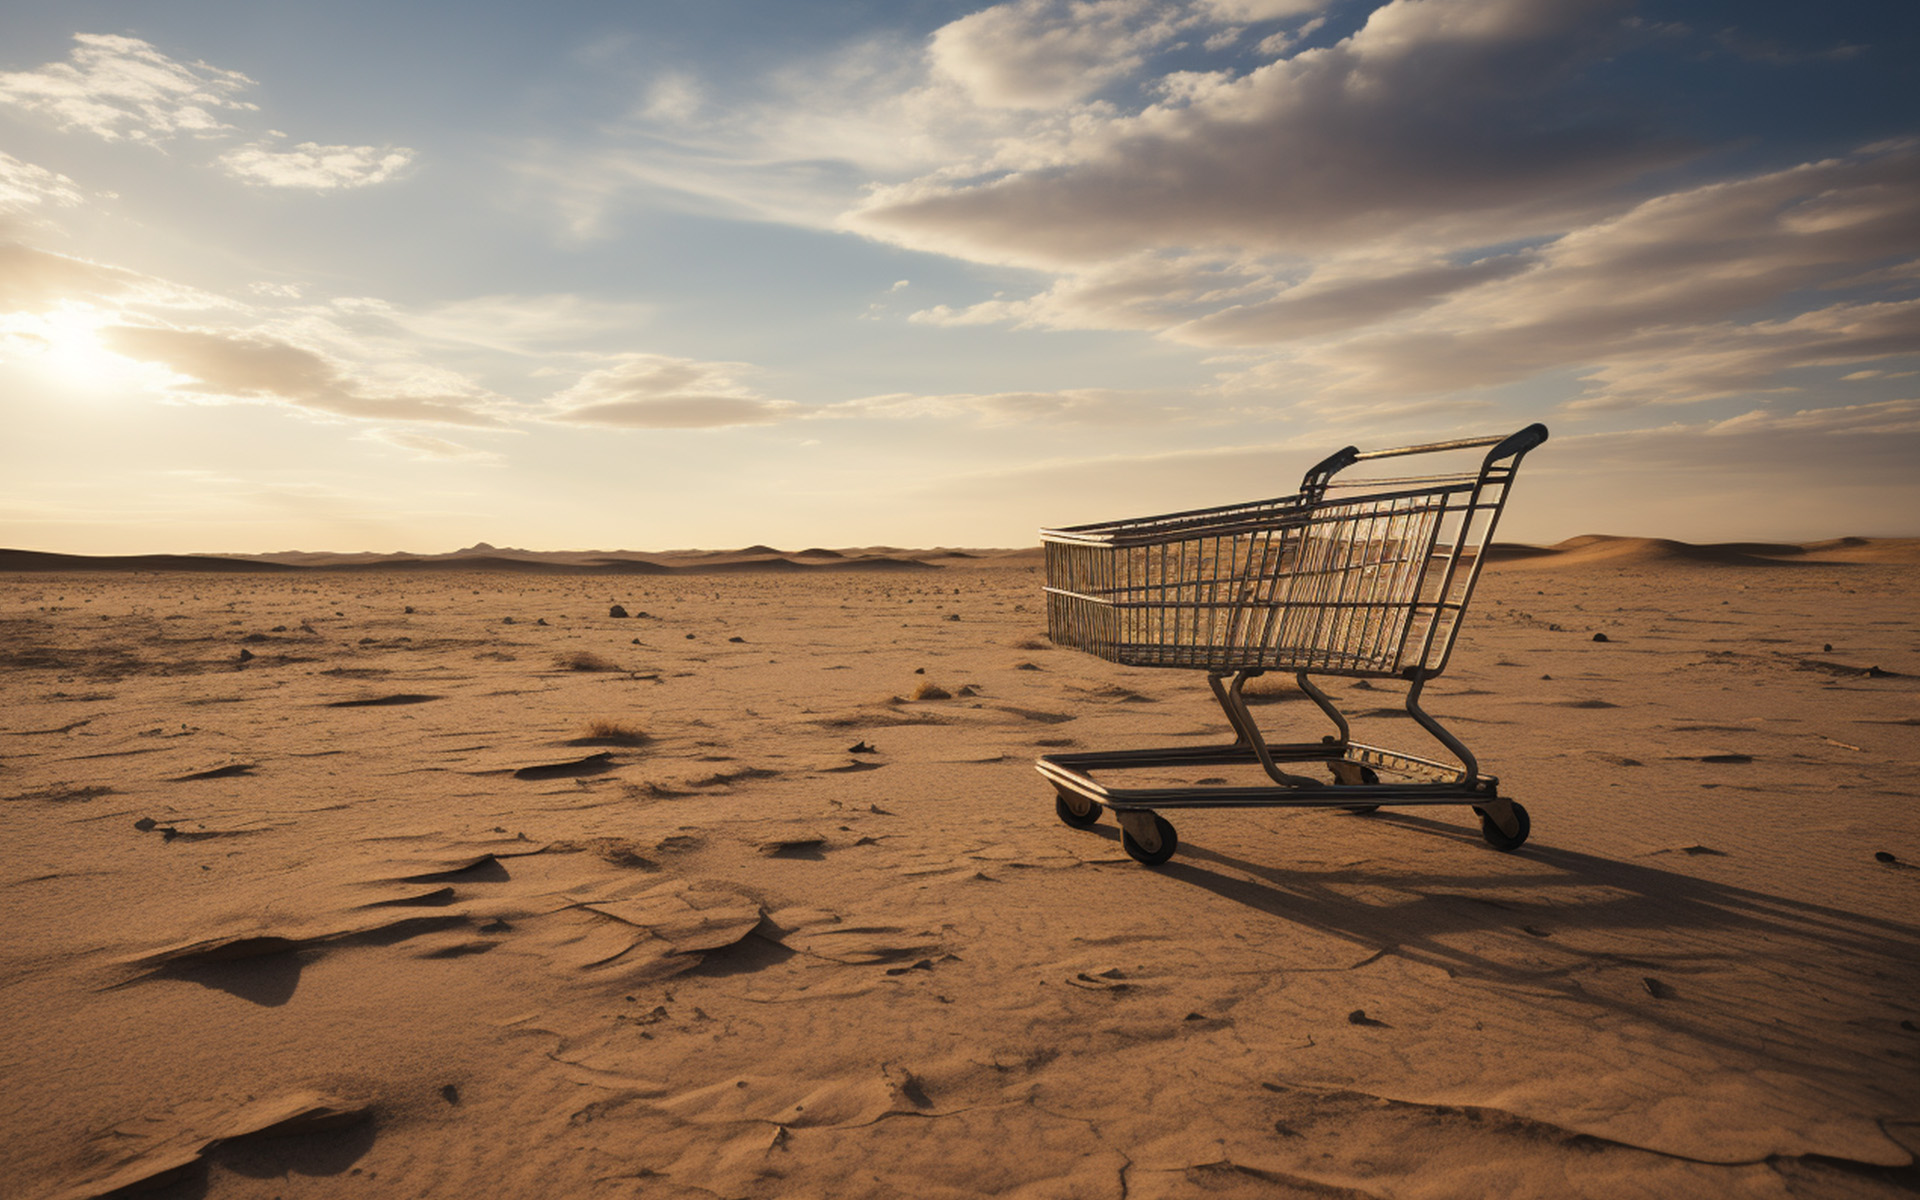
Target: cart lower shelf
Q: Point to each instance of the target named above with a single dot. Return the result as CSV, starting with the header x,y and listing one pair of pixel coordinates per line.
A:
x,y
1355,769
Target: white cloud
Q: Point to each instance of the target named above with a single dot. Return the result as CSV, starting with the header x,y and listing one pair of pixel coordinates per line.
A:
x,y
121,87
1045,53
655,391
315,167
1432,122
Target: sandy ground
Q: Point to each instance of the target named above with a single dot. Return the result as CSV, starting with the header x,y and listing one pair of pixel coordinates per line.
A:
x,y
381,911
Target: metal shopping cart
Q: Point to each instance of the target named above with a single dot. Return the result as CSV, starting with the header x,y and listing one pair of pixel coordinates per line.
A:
x,y
1357,578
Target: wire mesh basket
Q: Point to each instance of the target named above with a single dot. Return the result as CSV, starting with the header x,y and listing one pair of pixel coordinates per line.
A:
x,y
1365,579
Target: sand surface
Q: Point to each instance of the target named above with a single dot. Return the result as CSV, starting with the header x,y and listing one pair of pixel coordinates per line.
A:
x,y
458,886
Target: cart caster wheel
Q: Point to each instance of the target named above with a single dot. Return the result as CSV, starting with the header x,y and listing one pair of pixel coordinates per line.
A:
x,y
1351,776
1497,837
1079,820
1152,858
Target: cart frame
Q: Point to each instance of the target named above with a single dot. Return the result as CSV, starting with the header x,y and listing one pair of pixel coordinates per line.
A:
x,y
1324,582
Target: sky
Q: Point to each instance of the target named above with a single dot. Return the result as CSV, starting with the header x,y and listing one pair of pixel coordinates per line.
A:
x,y
705,273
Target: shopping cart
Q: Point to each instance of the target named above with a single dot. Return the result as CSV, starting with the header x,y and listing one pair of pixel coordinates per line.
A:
x,y
1362,579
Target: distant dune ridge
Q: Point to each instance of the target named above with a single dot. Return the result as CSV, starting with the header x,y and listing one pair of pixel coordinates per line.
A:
x,y
483,557
1632,551
1588,548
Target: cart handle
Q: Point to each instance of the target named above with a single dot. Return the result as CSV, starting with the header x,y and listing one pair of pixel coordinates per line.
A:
x,y
1511,445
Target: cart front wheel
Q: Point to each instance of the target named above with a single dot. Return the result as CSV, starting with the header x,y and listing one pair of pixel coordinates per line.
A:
x,y
1351,773
1497,837
1063,805
1159,854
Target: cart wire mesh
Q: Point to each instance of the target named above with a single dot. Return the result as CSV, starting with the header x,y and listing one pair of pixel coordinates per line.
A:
x,y
1359,578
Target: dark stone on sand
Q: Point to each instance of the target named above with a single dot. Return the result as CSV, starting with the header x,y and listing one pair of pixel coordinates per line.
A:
x,y
450,1094
689,637
1601,637
919,670
1883,856
618,612
246,655
739,640
540,621
1359,1017
861,748
148,824
409,609
1827,648
255,638
1655,988
506,620
953,616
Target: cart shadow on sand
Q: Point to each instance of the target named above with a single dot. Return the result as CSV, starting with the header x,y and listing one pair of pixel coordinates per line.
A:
x,y
1815,988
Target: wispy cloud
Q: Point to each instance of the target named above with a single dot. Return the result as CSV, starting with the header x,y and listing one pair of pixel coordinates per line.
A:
x,y
123,88
224,366
25,186
429,448
655,391
315,167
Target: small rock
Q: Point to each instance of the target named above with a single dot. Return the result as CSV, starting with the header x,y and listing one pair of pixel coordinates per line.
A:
x,y
409,610
148,824
953,616
689,637
1359,1017
1655,988
246,655
450,1094
1883,856
1536,931
1827,648
919,670
540,621
279,628
1546,677
507,621
618,612
1194,1016
861,748
1601,637
737,640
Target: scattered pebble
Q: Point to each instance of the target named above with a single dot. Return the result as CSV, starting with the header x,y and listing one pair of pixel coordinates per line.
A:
x,y
739,640
450,1094
409,609
1601,637
246,655
618,612
861,748
1883,856
1827,648
1655,988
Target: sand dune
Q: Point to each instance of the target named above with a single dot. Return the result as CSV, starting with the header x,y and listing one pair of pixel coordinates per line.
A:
x,y
1643,551
331,881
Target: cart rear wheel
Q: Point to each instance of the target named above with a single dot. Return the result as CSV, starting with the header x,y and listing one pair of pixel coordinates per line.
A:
x,y
1349,776
1152,858
1063,805
1497,837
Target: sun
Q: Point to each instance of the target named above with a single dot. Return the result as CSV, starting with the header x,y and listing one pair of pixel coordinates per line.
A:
x,y
64,345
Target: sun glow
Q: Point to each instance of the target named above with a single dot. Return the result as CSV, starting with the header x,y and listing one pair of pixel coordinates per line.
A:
x,y
64,346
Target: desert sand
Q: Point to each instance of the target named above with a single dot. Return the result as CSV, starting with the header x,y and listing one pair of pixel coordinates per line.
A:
x,y
396,882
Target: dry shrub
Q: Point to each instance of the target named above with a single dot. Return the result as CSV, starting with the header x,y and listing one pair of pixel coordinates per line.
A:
x,y
586,660
608,732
